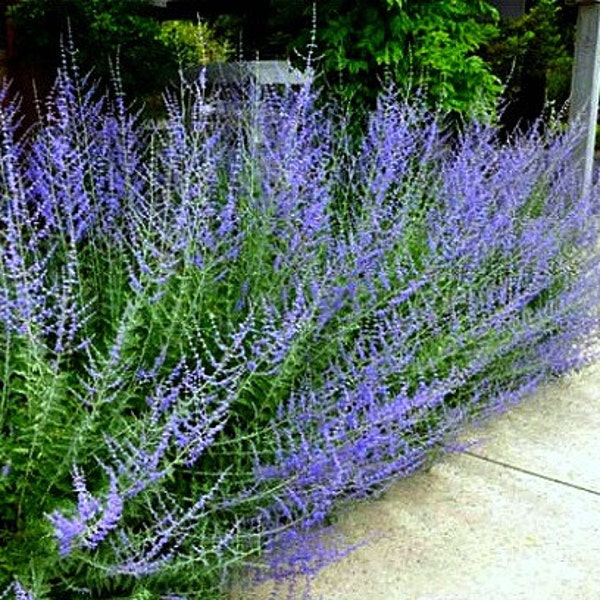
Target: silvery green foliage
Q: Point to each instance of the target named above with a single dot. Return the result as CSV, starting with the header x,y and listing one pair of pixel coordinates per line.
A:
x,y
217,329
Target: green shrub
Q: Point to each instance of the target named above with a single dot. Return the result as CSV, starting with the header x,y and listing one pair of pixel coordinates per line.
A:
x,y
532,56
431,45
217,330
194,44
108,34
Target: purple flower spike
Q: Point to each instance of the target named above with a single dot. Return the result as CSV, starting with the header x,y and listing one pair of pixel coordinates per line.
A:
x,y
94,519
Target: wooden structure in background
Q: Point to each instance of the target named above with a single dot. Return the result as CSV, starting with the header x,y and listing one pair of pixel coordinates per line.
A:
x,y
585,84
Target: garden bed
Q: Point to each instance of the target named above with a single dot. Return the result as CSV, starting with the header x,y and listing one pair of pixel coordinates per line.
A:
x,y
216,332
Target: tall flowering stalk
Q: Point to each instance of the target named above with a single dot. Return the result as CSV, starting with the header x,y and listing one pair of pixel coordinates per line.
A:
x,y
217,328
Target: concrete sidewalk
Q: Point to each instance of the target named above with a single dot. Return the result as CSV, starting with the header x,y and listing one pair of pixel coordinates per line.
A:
x,y
516,517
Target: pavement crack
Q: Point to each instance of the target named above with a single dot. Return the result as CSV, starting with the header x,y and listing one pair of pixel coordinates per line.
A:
x,y
532,473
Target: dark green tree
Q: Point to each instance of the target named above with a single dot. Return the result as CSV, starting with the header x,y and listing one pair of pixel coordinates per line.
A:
x,y
532,55
432,45
101,31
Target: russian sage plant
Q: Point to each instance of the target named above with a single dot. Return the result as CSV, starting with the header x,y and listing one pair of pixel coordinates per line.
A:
x,y
218,328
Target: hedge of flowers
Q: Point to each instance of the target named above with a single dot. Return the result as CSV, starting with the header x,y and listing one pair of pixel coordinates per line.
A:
x,y
218,328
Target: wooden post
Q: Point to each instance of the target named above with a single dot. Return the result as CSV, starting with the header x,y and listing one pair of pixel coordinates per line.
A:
x,y
585,84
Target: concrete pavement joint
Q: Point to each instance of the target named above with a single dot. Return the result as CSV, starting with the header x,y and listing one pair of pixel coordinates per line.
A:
x,y
532,473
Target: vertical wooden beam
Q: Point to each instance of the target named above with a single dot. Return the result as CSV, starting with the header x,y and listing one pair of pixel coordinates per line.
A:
x,y
585,84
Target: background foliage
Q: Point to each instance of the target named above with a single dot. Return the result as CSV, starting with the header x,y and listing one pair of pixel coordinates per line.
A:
x,y
110,36
460,52
433,45
105,32
194,44
532,56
